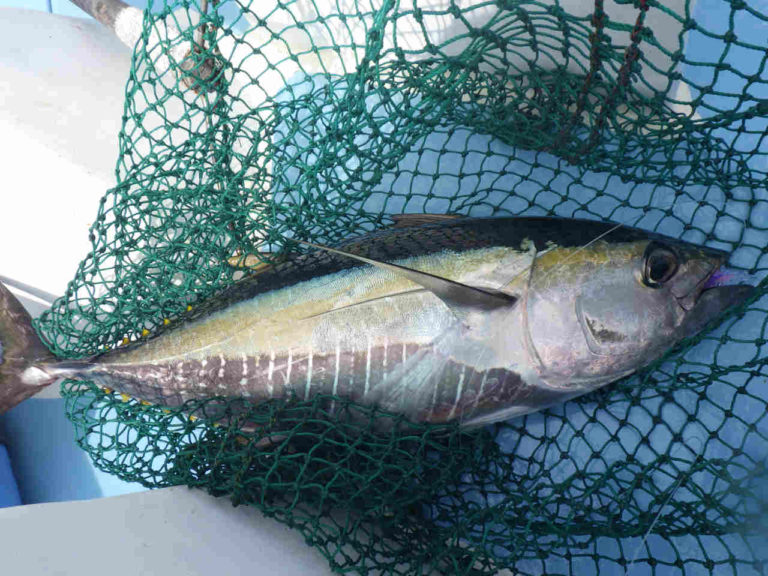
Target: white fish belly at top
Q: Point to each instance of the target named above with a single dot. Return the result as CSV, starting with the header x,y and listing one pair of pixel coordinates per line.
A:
x,y
476,320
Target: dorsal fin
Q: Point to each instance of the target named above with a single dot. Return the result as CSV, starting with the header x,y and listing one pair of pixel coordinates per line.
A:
x,y
460,298
408,220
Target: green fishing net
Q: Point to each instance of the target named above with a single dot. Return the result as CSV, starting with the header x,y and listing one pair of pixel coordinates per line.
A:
x,y
270,120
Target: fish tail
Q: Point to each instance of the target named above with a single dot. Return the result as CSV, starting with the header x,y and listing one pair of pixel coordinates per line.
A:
x,y
24,358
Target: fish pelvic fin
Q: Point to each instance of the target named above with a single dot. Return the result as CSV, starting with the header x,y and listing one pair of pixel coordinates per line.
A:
x,y
462,299
23,356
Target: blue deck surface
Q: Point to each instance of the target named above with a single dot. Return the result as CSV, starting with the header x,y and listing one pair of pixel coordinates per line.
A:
x,y
47,463
9,491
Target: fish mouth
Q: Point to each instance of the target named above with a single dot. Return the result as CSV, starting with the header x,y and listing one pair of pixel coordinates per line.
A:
x,y
718,276
722,288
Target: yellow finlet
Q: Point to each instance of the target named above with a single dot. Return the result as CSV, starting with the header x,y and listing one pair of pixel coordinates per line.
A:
x,y
253,262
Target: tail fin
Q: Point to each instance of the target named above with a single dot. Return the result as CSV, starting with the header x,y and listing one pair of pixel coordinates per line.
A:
x,y
22,354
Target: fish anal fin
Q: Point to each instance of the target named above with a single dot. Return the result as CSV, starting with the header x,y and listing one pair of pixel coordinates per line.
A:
x,y
462,299
408,220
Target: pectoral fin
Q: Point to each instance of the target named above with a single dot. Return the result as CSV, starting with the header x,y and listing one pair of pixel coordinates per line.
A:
x,y
460,298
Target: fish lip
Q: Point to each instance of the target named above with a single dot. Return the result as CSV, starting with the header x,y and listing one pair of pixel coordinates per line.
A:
x,y
690,300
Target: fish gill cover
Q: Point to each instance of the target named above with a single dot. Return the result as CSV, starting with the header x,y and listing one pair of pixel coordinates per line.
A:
x,y
319,120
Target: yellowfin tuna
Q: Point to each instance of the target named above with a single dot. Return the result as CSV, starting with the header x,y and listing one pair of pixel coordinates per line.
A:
x,y
475,320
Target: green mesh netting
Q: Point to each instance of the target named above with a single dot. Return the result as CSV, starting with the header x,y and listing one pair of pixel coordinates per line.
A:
x,y
319,119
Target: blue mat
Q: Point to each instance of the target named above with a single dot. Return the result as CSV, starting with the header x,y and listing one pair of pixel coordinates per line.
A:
x,y
9,491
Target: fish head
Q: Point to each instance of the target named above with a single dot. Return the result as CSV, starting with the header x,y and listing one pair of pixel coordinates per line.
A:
x,y
597,313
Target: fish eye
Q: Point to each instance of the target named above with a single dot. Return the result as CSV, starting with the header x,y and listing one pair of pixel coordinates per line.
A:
x,y
660,265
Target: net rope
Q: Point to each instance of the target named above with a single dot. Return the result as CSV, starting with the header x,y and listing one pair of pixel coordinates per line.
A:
x,y
258,122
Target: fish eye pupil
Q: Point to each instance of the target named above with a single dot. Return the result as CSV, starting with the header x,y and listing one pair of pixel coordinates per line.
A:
x,y
660,267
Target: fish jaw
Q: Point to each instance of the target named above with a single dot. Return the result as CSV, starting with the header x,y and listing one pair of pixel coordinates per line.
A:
x,y
711,303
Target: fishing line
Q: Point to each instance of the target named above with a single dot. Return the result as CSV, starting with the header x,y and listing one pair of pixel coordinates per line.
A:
x,y
572,256
679,482
536,254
